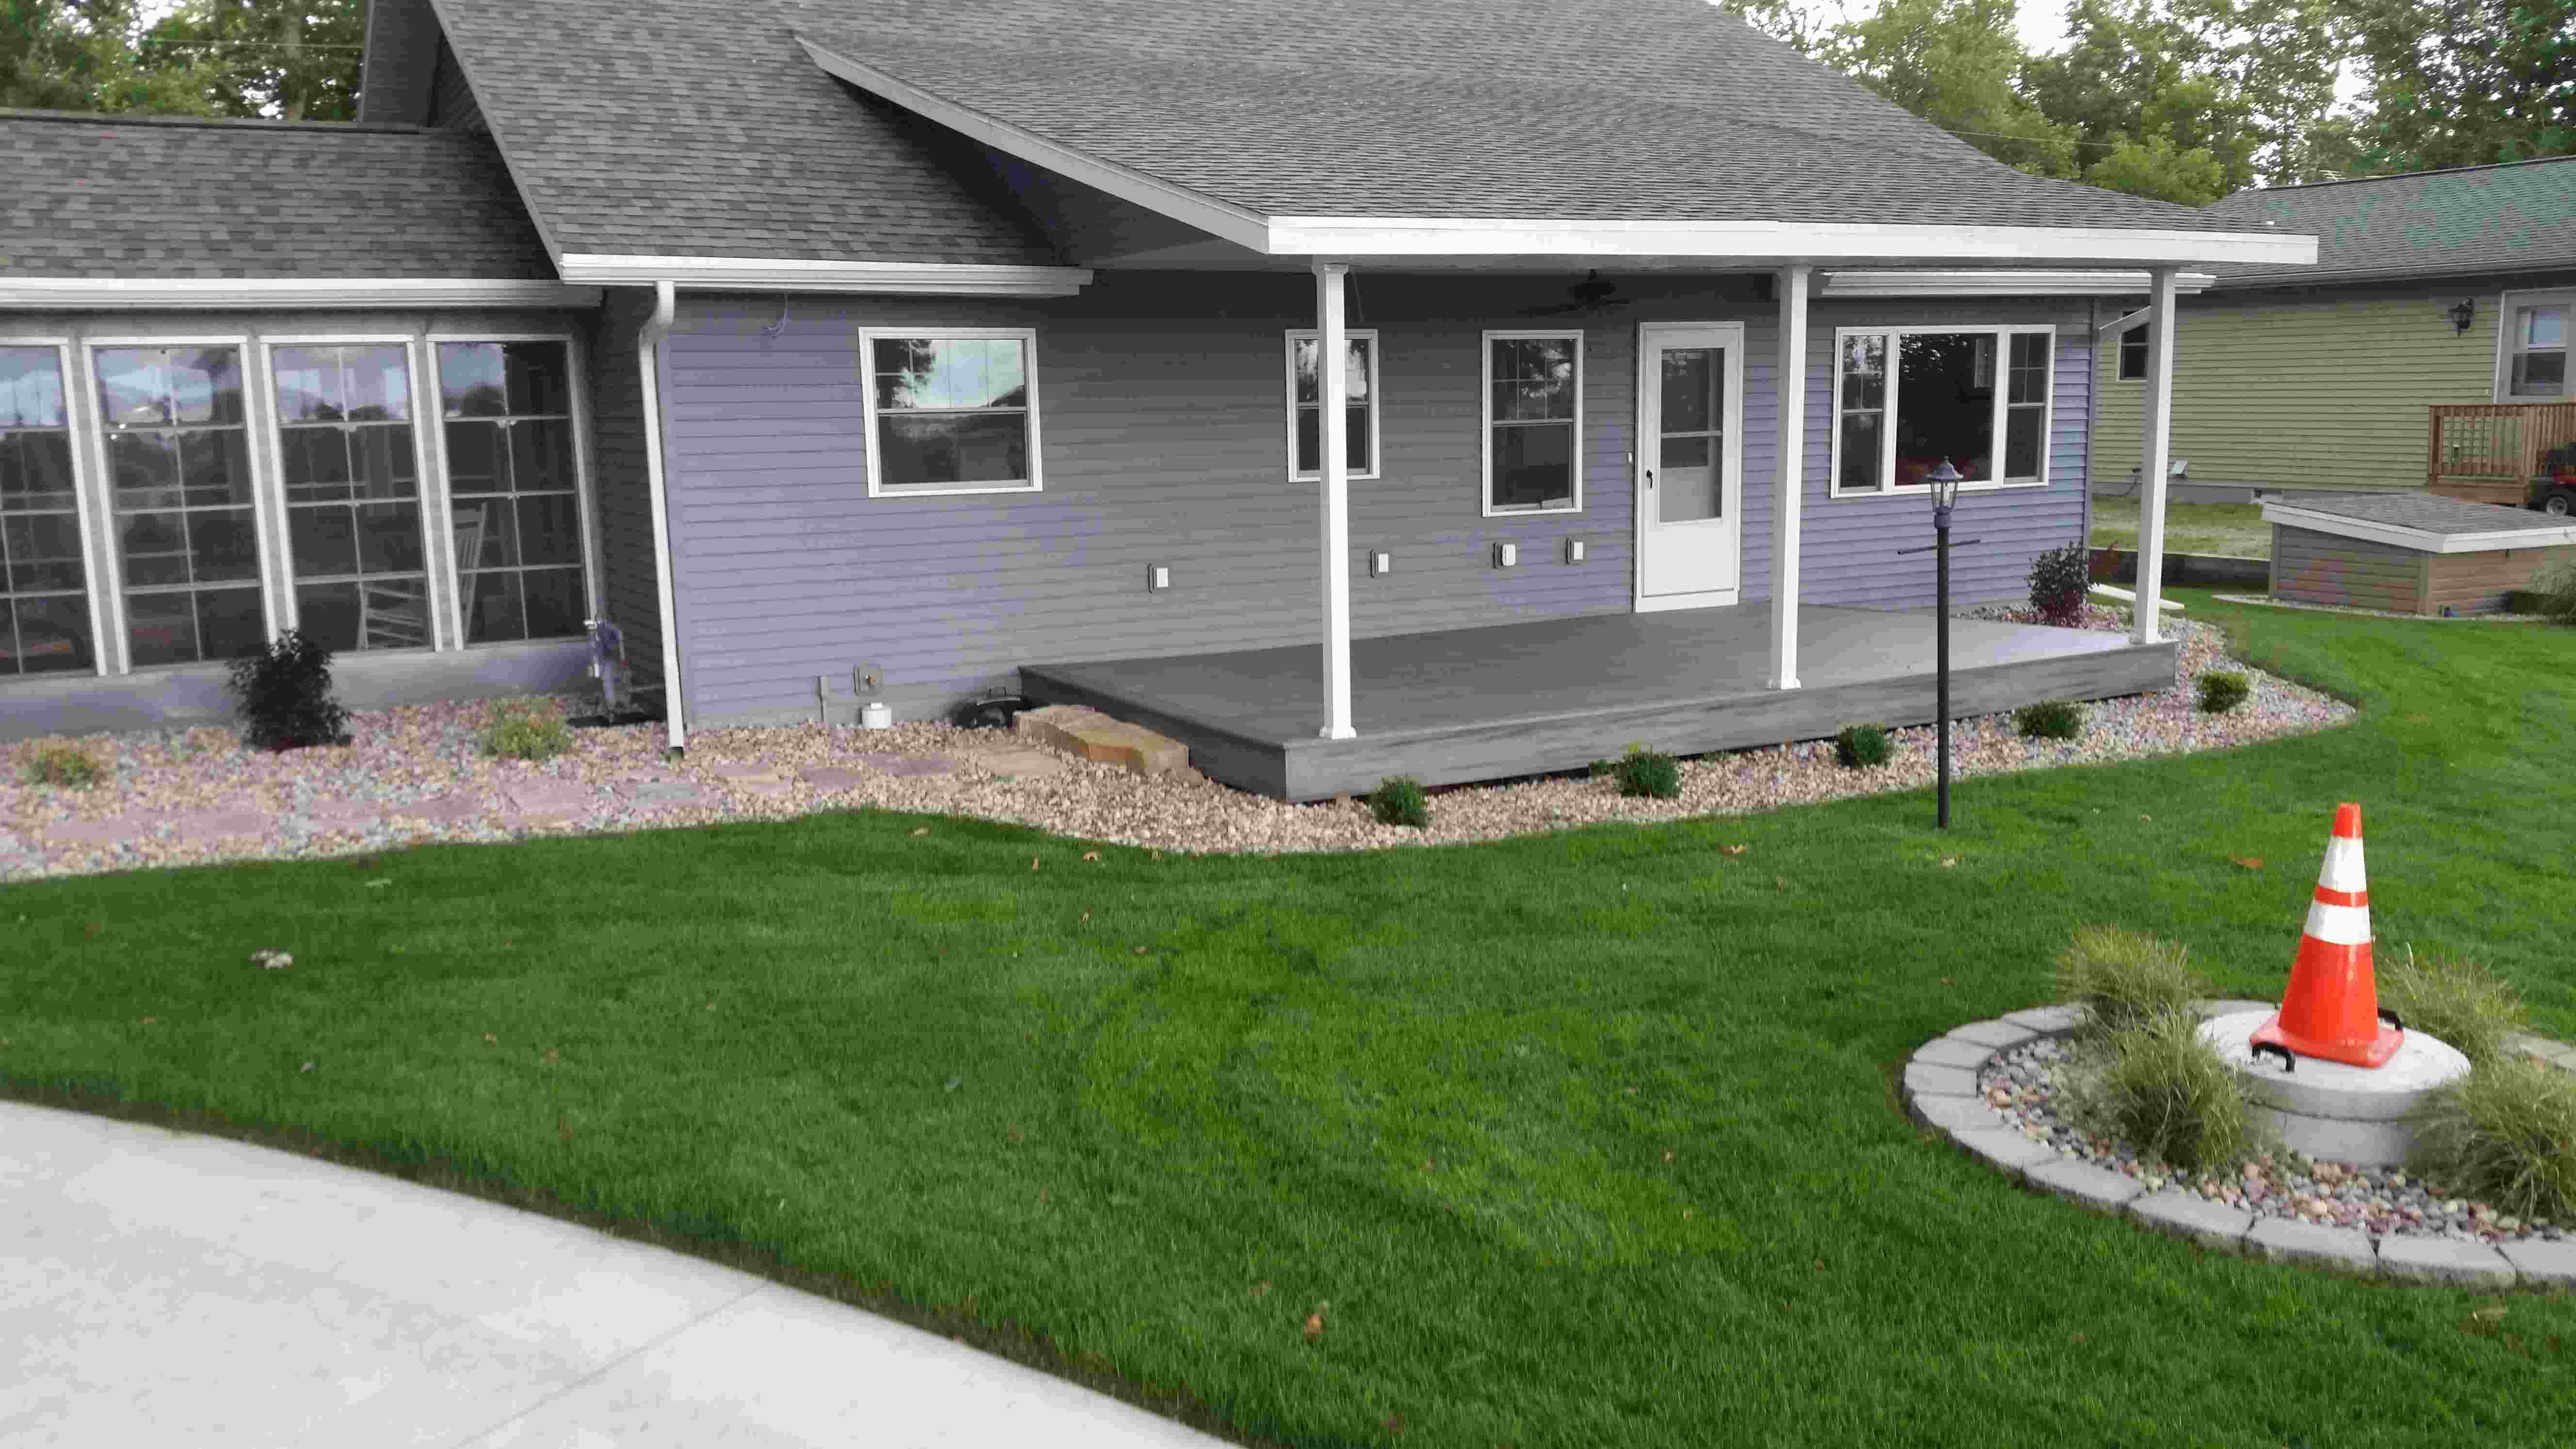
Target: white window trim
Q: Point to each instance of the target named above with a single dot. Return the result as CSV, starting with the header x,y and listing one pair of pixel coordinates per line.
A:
x,y
877,487
1485,419
1887,427
2507,304
1377,373
577,384
256,415
100,647
409,343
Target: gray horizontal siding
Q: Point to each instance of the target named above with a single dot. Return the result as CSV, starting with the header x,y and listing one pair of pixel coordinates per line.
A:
x,y
1163,422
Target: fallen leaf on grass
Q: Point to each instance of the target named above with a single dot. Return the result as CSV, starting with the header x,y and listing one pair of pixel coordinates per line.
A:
x,y
1033,862
1315,1323
308,1066
490,1040
375,884
924,830
149,1021
2250,862
563,1129
1261,1289
1395,1423
1091,855
1140,950
1781,881
1949,861
1730,850
711,1006
1668,1154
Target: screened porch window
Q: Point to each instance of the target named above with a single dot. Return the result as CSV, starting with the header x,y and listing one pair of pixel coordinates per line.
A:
x,y
952,412
1907,399
1533,421
44,574
2536,348
514,489
181,500
352,484
1359,405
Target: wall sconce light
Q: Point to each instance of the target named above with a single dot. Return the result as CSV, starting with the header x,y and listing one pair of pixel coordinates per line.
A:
x,y
2463,312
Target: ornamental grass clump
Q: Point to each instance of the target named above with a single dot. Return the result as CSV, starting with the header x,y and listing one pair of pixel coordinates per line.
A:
x,y
2554,594
2457,1000
1644,774
285,692
1399,800
2059,580
2156,1085
1863,745
2505,1135
2222,690
2123,979
61,763
520,731
2050,719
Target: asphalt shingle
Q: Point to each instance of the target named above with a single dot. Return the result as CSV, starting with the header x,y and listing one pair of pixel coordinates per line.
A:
x,y
2477,219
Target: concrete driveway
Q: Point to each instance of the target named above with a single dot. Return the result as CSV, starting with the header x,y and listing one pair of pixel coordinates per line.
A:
x,y
159,1287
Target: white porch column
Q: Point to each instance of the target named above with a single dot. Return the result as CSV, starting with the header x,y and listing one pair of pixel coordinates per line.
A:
x,y
1332,423
2159,439
1790,379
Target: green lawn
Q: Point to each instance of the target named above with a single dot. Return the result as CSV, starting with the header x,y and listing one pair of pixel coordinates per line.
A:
x,y
2235,530
1584,1140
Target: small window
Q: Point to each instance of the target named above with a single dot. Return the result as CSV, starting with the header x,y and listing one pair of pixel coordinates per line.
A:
x,y
2536,350
514,489
1908,399
1533,422
1359,407
352,484
44,572
179,494
2133,354
952,412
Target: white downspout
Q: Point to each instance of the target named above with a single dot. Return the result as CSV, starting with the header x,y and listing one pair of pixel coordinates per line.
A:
x,y
2159,437
648,360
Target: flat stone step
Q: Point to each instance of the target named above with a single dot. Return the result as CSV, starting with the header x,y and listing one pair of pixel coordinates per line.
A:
x,y
909,765
832,778
112,830
447,809
1023,764
198,826
1087,734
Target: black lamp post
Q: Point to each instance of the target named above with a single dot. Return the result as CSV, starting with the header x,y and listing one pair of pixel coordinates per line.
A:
x,y
1945,496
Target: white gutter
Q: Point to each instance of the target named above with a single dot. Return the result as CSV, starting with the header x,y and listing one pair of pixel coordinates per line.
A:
x,y
648,361
790,274
204,293
2422,541
1999,282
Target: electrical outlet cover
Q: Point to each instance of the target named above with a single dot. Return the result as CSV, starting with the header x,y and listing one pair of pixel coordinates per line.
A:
x,y
867,677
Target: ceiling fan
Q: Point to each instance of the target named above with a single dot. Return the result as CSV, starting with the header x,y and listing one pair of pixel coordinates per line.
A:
x,y
1589,295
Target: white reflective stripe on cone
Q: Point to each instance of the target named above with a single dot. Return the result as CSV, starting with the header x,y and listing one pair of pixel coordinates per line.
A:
x,y
2339,925
2342,870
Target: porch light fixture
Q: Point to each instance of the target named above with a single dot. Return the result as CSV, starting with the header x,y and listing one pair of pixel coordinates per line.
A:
x,y
2463,312
1945,496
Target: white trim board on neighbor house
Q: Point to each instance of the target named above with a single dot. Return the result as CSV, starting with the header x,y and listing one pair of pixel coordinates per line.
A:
x,y
2421,540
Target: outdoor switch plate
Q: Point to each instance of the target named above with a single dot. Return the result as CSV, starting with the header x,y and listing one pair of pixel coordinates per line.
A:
x,y
1506,555
1574,550
867,677
1381,564
1158,578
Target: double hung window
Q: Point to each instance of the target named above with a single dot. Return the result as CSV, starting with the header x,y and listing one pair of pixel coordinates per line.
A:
x,y
1306,410
951,411
1533,422
2535,346
44,570
1907,399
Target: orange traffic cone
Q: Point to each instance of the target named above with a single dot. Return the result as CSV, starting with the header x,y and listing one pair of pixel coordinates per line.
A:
x,y
2332,1011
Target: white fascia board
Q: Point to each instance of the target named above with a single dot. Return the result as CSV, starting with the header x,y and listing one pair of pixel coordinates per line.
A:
x,y
789,274
2416,538
1770,240
128,294
2001,282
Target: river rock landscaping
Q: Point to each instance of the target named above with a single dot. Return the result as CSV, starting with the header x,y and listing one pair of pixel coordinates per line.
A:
x,y
418,773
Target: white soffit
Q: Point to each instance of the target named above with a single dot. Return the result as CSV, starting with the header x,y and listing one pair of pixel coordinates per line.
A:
x,y
2537,536
206,293
789,274
2000,282
1396,238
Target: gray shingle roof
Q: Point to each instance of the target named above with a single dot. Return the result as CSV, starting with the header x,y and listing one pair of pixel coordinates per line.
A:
x,y
93,196
699,127
2511,218
2424,512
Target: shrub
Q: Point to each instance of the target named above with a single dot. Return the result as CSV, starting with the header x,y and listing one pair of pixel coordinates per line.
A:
x,y
1862,745
2554,594
2505,1135
2156,1085
2124,978
2222,690
2058,580
1399,800
1644,774
2050,719
2459,1001
60,762
521,731
285,694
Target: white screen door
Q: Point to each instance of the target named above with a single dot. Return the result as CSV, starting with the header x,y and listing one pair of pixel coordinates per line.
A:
x,y
1690,455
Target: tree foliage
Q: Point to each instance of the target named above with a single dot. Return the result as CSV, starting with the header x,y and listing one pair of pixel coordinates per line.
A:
x,y
2466,82
291,59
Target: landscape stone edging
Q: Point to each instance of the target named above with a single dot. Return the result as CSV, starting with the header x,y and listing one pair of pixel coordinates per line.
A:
x,y
1938,1087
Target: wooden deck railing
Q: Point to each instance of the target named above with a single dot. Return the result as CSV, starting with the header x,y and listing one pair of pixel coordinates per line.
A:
x,y
2489,452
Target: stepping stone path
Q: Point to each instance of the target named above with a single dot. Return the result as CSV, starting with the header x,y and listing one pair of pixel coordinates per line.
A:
x,y
196,827
669,794
830,778
753,779
910,764
453,806
114,830
335,810
1024,764
546,801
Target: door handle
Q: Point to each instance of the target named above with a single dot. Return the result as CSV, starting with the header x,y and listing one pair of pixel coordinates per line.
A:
x,y
1650,477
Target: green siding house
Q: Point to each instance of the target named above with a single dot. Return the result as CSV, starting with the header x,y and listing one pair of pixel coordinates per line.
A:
x,y
2439,287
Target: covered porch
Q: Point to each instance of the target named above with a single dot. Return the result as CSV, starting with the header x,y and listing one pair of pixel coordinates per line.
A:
x,y
1516,699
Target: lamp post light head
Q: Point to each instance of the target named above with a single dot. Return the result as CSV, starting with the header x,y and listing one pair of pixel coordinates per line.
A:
x,y
1945,492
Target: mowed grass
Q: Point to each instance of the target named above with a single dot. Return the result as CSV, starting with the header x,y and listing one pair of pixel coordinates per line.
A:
x,y
1579,1140
2233,530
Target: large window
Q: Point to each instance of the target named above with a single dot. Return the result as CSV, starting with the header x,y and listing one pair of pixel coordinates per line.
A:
x,y
1306,411
952,411
181,497
352,483
514,488
44,594
1907,399
2535,346
1533,422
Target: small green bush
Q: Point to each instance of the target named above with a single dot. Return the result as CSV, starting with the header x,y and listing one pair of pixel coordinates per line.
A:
x,y
285,693
521,731
2505,1135
59,762
2059,580
2156,1085
2553,594
1644,774
1863,745
2222,690
2123,979
2458,1001
1399,800
2050,719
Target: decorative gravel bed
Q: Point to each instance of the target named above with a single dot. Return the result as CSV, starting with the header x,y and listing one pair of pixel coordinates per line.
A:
x,y
416,774
2021,1085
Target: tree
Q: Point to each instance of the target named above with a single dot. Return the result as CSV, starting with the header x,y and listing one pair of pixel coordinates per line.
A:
x,y
2466,82
291,59
1957,64
79,55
